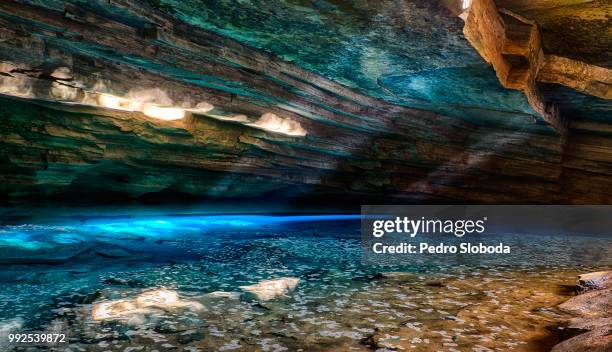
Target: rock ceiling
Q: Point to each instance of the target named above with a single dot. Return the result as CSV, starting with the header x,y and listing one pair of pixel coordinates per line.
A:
x,y
412,100
577,29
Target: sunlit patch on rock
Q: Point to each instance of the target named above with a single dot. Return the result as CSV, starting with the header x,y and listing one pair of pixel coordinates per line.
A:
x,y
235,118
153,102
13,84
135,311
167,113
223,294
270,289
163,113
274,123
113,102
160,298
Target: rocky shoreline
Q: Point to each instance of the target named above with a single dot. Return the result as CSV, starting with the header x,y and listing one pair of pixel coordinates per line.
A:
x,y
591,328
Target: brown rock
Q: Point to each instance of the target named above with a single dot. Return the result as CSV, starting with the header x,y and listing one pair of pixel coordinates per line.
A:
x,y
595,281
589,323
591,304
595,315
598,340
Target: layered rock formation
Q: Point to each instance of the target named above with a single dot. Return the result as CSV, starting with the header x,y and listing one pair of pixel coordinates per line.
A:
x,y
367,100
593,309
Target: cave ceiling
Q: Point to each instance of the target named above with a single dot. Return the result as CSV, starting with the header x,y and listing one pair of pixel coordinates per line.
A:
x,y
405,98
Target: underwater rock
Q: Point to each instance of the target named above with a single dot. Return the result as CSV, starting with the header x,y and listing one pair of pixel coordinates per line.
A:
x,y
598,340
7,327
594,281
434,284
8,277
113,253
398,278
270,289
189,337
382,341
80,298
113,281
41,253
136,311
223,294
369,278
10,325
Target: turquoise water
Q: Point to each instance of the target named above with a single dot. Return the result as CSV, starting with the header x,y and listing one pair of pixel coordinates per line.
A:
x,y
194,253
57,270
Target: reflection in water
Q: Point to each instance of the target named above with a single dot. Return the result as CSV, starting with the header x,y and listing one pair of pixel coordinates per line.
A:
x,y
268,283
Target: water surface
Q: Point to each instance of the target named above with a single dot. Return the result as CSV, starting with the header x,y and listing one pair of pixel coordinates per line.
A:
x,y
56,270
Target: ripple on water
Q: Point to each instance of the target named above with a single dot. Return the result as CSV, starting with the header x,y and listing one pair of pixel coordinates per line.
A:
x,y
202,271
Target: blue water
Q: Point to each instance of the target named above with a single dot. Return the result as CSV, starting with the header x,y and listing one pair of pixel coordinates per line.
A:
x,y
190,253
55,269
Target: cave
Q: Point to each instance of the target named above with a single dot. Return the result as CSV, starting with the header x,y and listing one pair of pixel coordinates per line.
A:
x,y
151,150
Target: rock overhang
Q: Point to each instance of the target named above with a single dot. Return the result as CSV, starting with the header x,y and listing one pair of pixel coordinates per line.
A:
x,y
393,85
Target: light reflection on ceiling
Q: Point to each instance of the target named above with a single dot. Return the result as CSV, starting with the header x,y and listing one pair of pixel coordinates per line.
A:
x,y
163,113
274,123
152,102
